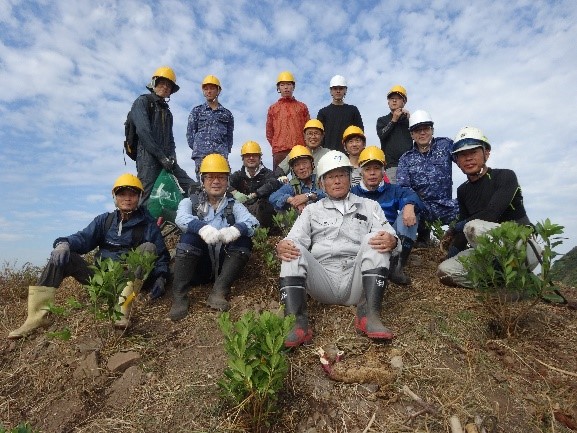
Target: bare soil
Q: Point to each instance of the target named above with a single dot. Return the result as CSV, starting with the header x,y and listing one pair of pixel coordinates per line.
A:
x,y
448,359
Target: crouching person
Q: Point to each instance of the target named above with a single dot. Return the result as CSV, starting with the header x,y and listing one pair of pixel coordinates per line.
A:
x,y
400,205
338,251
129,226
216,241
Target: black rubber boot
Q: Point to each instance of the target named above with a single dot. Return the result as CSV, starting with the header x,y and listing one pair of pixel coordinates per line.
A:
x,y
368,320
398,263
184,267
423,237
294,298
232,267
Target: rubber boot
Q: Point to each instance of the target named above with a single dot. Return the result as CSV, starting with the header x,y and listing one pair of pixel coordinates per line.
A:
x,y
294,298
423,237
231,269
398,263
368,320
125,300
39,297
184,268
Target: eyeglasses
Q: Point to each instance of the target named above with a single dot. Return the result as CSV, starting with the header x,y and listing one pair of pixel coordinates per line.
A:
x,y
213,177
420,129
313,133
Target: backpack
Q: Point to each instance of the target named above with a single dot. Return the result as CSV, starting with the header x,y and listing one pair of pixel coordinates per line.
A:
x,y
137,231
130,136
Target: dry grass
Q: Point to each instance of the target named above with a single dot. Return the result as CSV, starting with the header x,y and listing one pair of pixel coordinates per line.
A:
x,y
451,359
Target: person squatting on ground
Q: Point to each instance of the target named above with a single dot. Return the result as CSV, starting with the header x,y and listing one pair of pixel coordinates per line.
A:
x,y
354,141
156,148
285,119
393,130
338,251
427,169
488,197
402,207
253,184
302,189
129,226
313,135
216,241
210,126
337,116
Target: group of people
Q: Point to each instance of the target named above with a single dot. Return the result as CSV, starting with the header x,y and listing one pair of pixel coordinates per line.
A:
x,y
361,208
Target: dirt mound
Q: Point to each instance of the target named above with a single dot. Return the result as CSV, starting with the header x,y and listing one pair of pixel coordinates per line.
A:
x,y
445,361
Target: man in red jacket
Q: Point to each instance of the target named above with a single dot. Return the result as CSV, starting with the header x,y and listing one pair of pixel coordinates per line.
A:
x,y
285,120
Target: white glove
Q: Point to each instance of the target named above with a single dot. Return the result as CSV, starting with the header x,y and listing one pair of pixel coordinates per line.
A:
x,y
283,179
239,196
229,234
209,234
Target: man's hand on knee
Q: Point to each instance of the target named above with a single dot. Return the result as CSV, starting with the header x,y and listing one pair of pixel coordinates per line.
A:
x,y
286,250
383,242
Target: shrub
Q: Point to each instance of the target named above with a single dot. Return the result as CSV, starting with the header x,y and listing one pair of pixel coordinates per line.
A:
x,y
257,363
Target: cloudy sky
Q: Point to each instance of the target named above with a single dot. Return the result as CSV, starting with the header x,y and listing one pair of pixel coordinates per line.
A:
x,y
71,70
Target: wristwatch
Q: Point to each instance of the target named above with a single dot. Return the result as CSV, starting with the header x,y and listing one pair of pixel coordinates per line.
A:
x,y
310,195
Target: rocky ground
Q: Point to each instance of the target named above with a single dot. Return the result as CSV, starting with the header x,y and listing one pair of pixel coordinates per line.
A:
x,y
448,360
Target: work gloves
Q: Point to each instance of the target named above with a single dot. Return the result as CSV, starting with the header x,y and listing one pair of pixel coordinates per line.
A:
x,y
157,289
61,254
239,196
229,234
283,179
252,197
167,163
209,234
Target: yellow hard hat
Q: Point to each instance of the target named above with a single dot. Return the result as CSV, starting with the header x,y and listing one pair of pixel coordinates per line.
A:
x,y
299,151
168,73
314,123
211,79
285,76
398,89
371,153
127,180
214,163
353,130
250,147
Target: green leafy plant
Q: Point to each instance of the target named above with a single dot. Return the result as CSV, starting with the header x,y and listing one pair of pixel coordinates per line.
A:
x,y
263,245
285,220
64,334
499,270
257,363
23,427
110,278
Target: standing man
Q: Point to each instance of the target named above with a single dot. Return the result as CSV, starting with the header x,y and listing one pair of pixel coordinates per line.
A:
x,y
313,132
488,197
393,130
153,122
210,125
337,116
285,119
253,184
354,141
129,226
215,244
337,251
401,206
427,169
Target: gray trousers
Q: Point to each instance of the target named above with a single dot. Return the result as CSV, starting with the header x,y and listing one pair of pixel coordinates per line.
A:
x,y
452,271
336,283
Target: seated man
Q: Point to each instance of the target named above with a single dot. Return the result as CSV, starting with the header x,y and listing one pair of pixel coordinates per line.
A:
x,y
426,168
116,233
338,251
313,132
401,206
487,198
302,189
253,184
216,240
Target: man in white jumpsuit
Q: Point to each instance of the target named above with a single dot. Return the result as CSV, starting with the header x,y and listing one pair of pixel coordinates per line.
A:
x,y
338,251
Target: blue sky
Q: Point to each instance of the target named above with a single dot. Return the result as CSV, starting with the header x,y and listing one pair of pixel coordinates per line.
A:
x,y
71,70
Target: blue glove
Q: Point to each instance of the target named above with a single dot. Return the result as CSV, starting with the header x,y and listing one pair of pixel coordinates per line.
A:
x,y
157,289
61,254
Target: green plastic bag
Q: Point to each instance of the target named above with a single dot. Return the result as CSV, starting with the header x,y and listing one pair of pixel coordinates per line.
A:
x,y
165,196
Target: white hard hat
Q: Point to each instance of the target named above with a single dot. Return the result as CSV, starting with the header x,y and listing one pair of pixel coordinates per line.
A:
x,y
470,137
331,160
338,80
420,117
